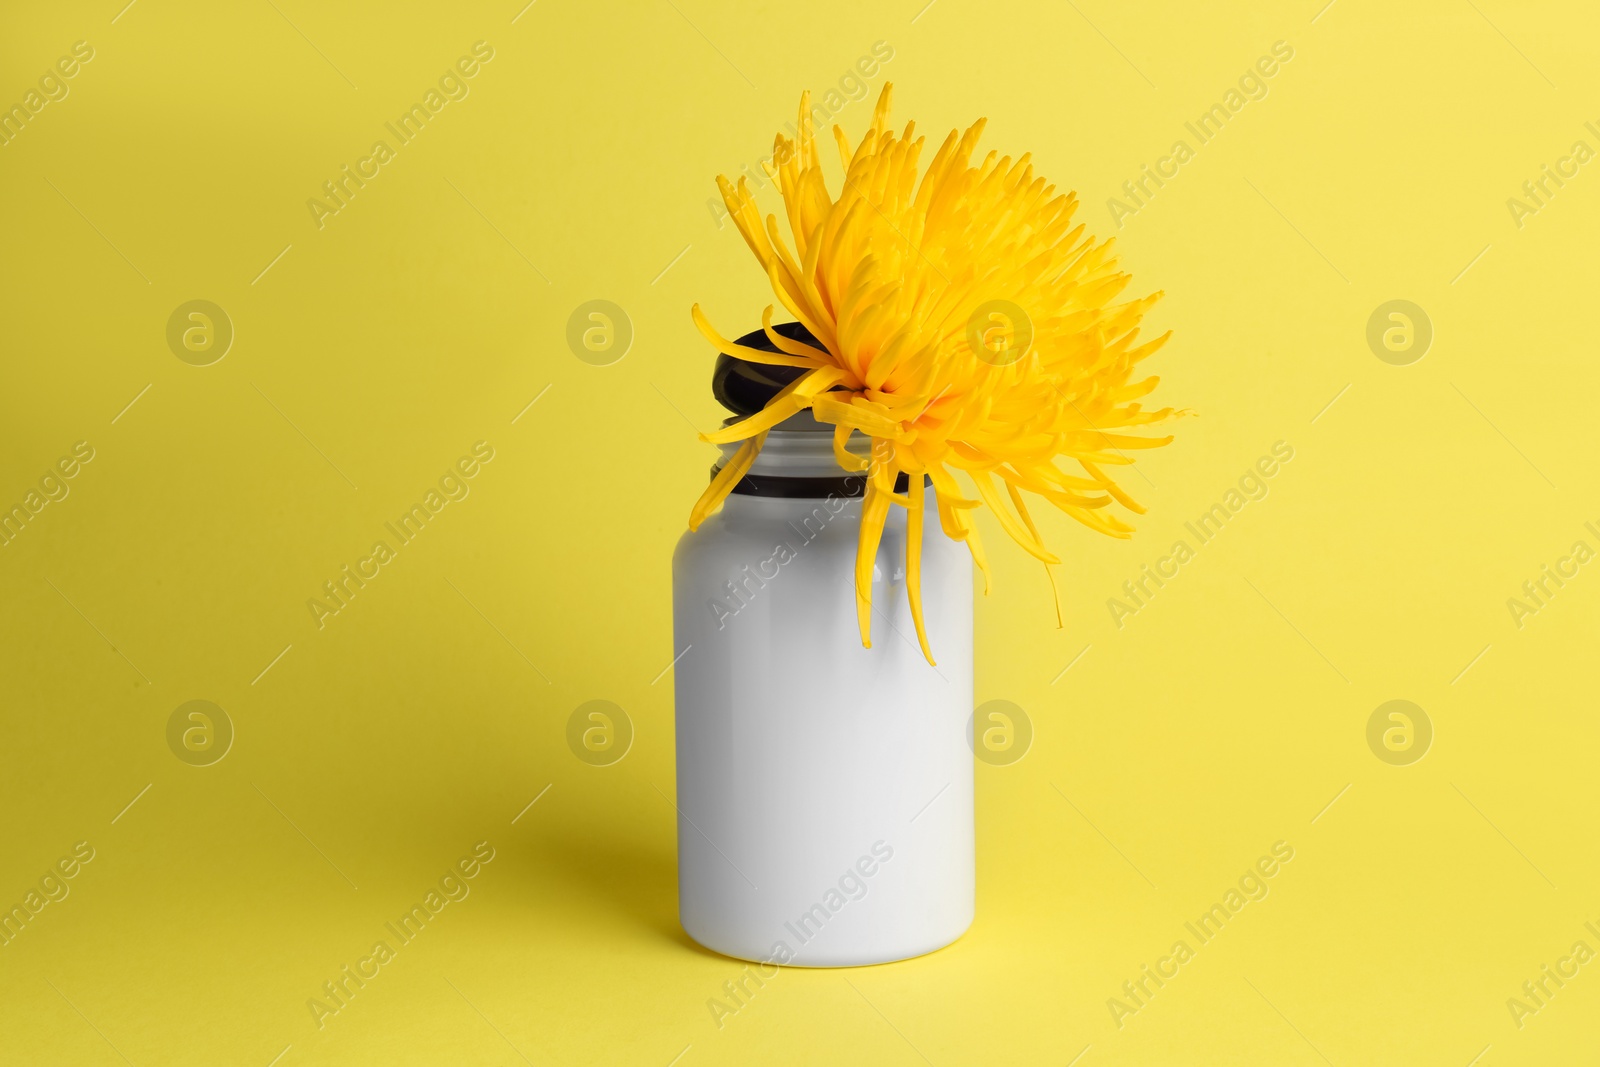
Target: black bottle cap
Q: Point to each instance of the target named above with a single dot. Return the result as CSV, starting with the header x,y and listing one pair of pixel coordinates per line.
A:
x,y
744,387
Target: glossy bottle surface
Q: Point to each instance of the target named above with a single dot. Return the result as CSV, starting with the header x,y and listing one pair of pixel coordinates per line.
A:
x,y
824,789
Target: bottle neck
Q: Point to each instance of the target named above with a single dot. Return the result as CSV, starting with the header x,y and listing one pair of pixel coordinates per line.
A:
x,y
797,461
799,447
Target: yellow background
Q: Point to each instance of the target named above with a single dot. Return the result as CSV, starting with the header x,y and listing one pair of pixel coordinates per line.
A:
x,y
425,716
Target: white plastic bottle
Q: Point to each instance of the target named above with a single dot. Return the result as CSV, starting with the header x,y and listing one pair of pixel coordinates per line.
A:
x,y
824,789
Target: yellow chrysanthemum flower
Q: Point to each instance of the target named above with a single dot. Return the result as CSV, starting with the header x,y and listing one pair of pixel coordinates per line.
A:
x,y
965,326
